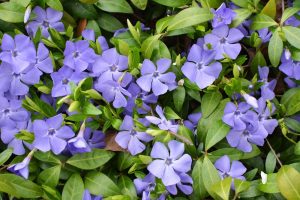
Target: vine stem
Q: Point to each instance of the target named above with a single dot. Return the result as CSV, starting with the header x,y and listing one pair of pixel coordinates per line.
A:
x,y
273,151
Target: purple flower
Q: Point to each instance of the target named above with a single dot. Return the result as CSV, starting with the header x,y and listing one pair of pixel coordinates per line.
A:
x,y
222,16
79,144
268,87
8,134
169,165
21,169
51,135
235,170
250,100
89,34
42,60
87,196
11,112
18,52
242,139
95,139
162,122
113,91
238,116
129,138
109,65
138,94
78,55
185,185
200,67
290,68
62,78
264,35
192,121
45,19
264,114
224,41
155,78
145,186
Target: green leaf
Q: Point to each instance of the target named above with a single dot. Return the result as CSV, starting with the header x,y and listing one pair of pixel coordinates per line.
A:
x,y
288,12
12,12
19,187
291,100
270,9
24,3
261,21
258,60
51,193
297,148
140,4
292,35
162,23
124,160
292,124
240,185
119,6
270,162
211,175
50,176
210,3
161,51
190,17
178,97
5,155
90,109
170,114
210,102
88,1
48,157
148,45
127,187
288,181
216,133
199,191
55,4
80,10
100,184
241,15
270,186
275,49
90,160
243,4
222,188
73,188
172,3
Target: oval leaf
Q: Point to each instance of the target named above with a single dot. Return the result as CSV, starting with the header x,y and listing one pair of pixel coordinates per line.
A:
x,y
288,181
73,188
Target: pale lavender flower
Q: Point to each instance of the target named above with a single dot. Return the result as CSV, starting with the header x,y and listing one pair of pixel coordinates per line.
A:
x,y
95,139
250,100
169,164
88,196
78,144
27,14
290,68
200,67
145,186
264,35
89,34
156,78
185,185
78,55
192,121
268,87
222,16
130,139
42,60
51,135
22,168
45,19
224,41
162,122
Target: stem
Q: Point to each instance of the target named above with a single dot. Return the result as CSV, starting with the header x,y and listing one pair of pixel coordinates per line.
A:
x,y
273,151
282,5
182,138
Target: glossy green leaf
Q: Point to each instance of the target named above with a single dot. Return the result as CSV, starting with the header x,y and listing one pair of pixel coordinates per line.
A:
x,y
199,191
216,133
288,181
50,176
127,187
5,155
12,12
190,17
288,12
297,148
270,9
243,4
211,175
98,183
149,44
261,21
80,10
170,114
240,185
55,4
47,157
270,186
241,15
119,6
88,1
270,162
90,160
222,188
73,188
292,35
178,97
109,22
210,102
140,4
275,49
172,3
291,100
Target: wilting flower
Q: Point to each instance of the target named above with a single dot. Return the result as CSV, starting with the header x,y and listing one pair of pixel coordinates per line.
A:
x,y
169,165
109,65
222,16
235,170
88,196
268,87
62,78
129,138
18,52
21,169
185,185
242,139
11,112
79,144
113,91
51,135
78,55
42,60
238,116
8,136
224,41
45,19
155,78
145,186
200,67
162,122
